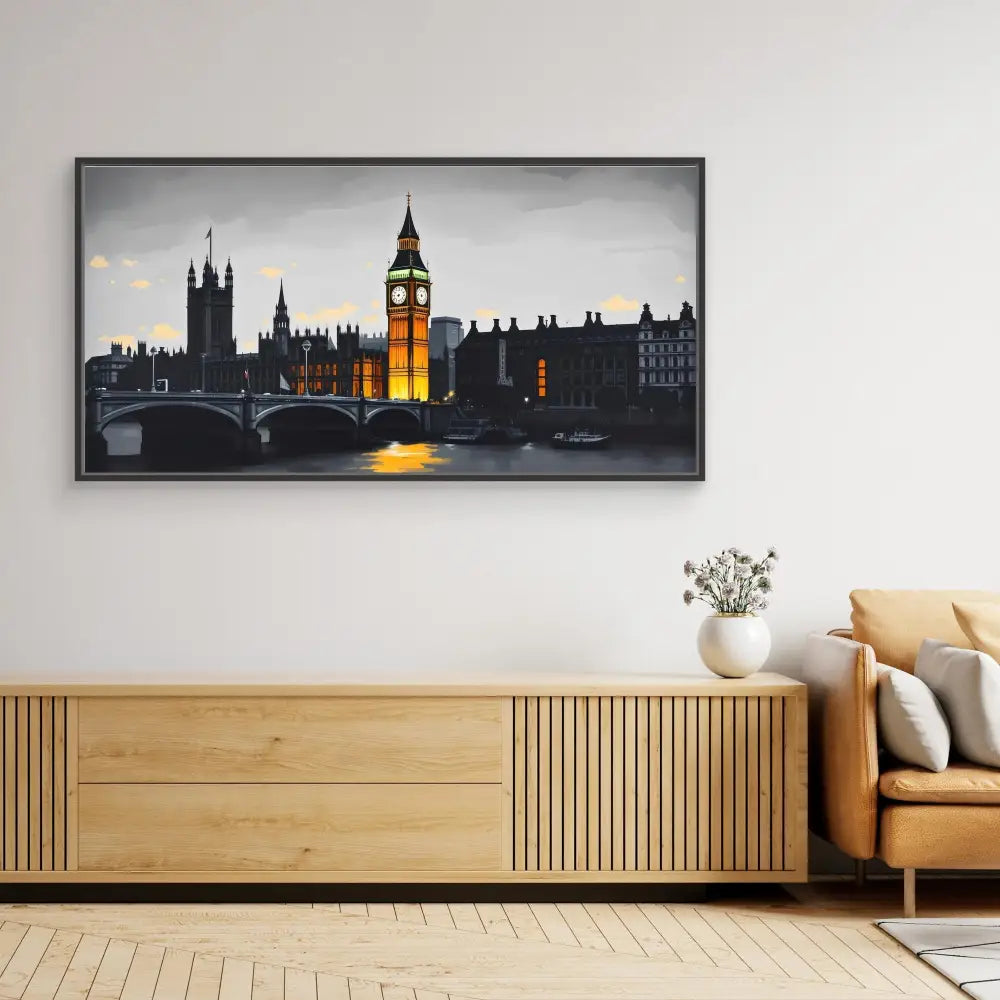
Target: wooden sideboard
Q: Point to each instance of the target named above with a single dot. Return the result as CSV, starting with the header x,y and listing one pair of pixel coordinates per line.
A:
x,y
568,778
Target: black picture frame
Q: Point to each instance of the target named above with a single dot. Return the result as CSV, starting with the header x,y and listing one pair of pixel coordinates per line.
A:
x,y
83,474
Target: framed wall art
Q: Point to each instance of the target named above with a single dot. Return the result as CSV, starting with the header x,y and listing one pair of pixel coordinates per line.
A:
x,y
390,319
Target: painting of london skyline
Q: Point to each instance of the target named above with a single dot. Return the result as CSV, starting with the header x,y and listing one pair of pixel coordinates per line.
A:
x,y
338,319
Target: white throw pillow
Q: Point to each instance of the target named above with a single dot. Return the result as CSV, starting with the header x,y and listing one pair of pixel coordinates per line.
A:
x,y
911,722
967,683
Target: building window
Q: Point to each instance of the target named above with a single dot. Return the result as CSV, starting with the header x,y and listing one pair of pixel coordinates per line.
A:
x,y
541,378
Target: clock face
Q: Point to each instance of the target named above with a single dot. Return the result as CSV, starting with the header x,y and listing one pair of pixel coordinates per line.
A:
x,y
399,295
422,295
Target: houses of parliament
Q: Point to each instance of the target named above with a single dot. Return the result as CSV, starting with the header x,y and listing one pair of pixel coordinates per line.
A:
x,y
309,361
595,365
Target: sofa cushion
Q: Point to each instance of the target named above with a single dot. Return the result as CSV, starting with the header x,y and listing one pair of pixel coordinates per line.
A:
x,y
911,723
967,683
895,622
961,783
980,621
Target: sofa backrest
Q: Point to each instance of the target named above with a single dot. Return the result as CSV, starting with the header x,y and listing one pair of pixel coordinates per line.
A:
x,y
896,622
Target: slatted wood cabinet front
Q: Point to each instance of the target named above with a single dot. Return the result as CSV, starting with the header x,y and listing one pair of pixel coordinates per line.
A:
x,y
575,779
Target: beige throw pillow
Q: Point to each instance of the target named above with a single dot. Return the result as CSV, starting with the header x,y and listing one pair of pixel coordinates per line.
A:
x,y
967,684
980,621
911,723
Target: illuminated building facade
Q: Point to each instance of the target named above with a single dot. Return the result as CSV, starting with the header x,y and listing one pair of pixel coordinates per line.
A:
x,y
338,367
408,306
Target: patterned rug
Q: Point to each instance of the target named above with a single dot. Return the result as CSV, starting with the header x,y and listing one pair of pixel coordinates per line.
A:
x,y
966,950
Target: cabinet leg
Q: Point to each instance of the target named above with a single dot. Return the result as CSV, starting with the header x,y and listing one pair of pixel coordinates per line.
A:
x,y
909,892
860,872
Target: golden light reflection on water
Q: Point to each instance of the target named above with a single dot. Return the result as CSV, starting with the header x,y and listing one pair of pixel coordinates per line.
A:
x,y
397,457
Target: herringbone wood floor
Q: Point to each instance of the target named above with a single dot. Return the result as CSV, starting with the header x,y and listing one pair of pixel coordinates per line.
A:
x,y
820,945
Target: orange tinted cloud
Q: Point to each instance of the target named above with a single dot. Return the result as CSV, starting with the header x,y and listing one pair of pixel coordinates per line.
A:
x,y
618,303
164,331
334,312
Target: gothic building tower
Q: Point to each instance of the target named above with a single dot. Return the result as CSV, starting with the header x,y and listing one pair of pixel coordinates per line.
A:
x,y
408,306
210,314
281,328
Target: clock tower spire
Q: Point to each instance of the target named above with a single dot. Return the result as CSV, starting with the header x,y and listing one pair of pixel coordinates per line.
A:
x,y
408,307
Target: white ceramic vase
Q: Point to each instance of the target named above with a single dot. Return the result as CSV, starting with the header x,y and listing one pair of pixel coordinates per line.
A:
x,y
732,645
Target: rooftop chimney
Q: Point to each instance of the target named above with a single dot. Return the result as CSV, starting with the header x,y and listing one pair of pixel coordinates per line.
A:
x,y
541,322
553,325
472,326
597,320
513,324
589,321
496,325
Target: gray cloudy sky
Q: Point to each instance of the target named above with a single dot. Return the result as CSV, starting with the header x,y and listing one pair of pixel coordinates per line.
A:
x,y
507,241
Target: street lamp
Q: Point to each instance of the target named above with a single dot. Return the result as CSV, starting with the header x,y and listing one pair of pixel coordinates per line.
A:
x,y
306,347
203,356
154,371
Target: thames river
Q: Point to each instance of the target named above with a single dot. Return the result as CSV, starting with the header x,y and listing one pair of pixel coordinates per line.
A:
x,y
428,458
492,460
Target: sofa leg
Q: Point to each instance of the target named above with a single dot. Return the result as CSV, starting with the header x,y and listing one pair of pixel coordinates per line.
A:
x,y
860,871
909,892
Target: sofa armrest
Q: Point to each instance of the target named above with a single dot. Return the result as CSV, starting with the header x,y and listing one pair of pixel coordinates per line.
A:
x,y
843,749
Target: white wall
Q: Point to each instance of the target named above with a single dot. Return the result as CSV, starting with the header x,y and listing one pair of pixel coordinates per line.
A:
x,y
852,344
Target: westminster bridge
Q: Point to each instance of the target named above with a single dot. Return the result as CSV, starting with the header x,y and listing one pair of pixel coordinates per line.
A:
x,y
232,423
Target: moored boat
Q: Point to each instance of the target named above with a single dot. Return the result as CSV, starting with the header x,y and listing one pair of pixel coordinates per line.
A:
x,y
480,430
581,439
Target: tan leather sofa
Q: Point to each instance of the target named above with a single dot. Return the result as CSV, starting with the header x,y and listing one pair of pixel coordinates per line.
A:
x,y
865,803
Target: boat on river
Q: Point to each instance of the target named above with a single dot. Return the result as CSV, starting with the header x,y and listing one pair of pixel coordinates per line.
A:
x,y
581,439
481,430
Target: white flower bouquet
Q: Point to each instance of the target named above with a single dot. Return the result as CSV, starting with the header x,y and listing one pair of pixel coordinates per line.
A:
x,y
732,583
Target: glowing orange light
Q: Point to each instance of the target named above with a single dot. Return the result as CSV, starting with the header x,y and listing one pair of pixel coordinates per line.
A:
x,y
396,458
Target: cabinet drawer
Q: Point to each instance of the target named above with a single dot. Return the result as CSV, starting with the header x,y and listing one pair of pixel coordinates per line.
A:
x,y
257,739
302,827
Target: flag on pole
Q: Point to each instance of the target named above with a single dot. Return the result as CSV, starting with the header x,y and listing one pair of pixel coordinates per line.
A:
x,y
208,236
283,385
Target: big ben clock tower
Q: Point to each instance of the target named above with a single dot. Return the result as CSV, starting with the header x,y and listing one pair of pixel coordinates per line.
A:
x,y
408,306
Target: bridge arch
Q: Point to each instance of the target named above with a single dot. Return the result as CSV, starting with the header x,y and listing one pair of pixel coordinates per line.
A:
x,y
395,423
413,411
150,404
300,404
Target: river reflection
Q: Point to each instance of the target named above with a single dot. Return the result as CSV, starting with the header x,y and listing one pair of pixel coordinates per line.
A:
x,y
395,458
